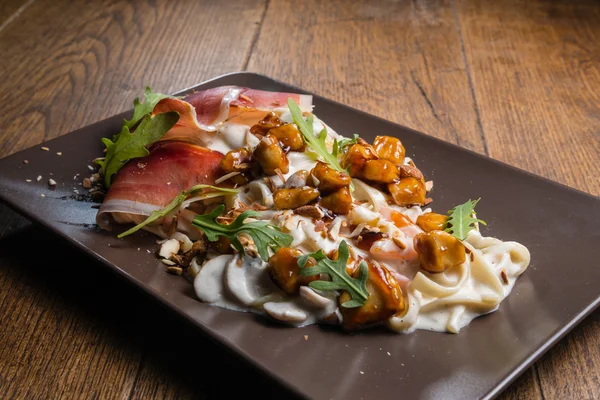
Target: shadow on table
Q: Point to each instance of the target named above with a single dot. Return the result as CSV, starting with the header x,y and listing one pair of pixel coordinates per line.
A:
x,y
176,356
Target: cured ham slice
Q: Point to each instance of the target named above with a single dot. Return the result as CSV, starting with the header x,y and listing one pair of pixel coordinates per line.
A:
x,y
203,112
150,183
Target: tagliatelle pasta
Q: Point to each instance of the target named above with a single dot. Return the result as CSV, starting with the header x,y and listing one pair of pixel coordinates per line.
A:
x,y
267,209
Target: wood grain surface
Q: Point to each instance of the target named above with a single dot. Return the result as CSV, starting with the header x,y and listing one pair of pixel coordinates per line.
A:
x,y
515,80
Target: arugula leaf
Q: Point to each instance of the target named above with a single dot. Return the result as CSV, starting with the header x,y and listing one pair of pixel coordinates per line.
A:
x,y
340,280
176,203
151,99
338,147
462,219
265,235
133,145
316,143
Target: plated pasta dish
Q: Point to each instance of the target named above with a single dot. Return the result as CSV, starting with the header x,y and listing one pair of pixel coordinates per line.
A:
x,y
265,208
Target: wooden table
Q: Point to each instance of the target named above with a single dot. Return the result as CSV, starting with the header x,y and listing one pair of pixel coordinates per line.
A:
x,y
517,81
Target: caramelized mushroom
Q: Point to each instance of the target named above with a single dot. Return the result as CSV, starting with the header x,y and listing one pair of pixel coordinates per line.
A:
x,y
289,136
381,171
339,202
270,155
408,192
439,251
431,221
285,272
270,121
385,299
356,157
389,148
295,197
236,160
329,179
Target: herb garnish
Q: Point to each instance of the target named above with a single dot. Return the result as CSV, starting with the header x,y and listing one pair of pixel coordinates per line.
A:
x,y
316,143
264,235
126,145
462,219
176,202
343,143
340,280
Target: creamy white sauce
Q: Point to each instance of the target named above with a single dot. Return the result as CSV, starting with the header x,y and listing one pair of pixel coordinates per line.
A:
x,y
443,302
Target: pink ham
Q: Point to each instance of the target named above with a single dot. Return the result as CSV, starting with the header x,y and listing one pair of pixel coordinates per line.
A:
x,y
203,111
150,183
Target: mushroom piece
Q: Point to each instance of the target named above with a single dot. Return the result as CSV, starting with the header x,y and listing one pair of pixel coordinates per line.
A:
x,y
431,221
289,136
389,148
285,272
208,283
381,171
285,312
329,180
439,250
339,202
297,180
385,300
271,156
285,199
408,191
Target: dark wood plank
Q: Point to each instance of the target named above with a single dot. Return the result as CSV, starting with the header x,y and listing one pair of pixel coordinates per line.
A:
x,y
76,62
10,10
399,60
534,66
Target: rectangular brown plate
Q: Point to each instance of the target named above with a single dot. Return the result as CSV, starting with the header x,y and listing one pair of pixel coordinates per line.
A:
x,y
557,224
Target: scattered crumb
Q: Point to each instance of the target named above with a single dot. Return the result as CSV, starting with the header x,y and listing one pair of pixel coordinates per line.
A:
x,y
148,251
59,153
305,337
76,191
45,148
168,183
51,182
87,183
27,180
141,165
362,373
39,178
504,277
90,168
43,195
138,249
388,353
25,161
174,270
109,245
402,365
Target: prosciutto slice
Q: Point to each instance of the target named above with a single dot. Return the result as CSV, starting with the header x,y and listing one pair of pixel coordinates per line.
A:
x,y
150,183
203,112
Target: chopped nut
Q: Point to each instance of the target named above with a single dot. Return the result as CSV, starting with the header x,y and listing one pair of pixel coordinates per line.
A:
x,y
504,277
141,165
87,183
43,195
25,161
310,211
51,182
398,242
407,171
305,337
59,153
45,148
27,180
39,178
165,261
174,270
